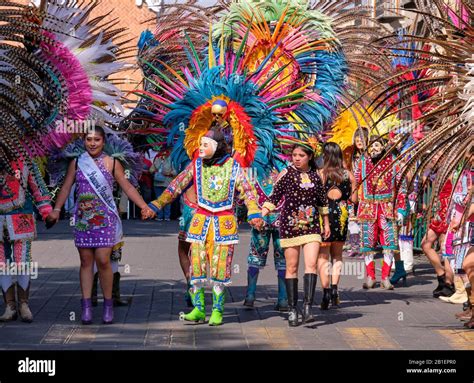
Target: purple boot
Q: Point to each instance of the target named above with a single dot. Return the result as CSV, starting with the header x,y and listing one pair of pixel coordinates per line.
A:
x,y
86,316
108,313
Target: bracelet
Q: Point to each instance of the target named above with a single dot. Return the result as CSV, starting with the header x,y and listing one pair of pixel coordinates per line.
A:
x,y
56,209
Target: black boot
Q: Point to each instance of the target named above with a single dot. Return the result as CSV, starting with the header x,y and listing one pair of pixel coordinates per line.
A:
x,y
441,284
334,296
326,299
94,298
292,292
116,292
309,287
447,290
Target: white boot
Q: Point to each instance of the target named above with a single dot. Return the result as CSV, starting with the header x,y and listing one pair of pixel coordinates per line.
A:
x,y
459,297
407,255
401,247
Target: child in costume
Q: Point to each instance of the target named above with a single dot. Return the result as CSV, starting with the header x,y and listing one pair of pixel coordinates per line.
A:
x,y
216,176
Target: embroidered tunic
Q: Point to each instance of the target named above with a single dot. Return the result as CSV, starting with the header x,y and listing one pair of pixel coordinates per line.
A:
x,y
264,188
215,189
16,205
377,190
304,200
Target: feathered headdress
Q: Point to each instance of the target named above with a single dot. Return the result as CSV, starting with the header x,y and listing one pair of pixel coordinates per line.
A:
x,y
443,51
280,70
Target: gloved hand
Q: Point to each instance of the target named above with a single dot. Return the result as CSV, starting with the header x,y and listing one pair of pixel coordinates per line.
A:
x,y
154,208
400,219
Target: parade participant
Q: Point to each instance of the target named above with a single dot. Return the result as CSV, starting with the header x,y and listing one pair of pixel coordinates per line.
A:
x,y
304,200
437,230
457,241
341,189
20,188
260,246
98,228
360,143
213,229
189,206
468,265
377,176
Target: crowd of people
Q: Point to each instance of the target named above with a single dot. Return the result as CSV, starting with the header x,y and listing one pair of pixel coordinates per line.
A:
x,y
244,128
306,208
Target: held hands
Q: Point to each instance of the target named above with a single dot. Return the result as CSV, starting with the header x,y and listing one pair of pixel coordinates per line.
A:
x,y
257,223
265,212
52,219
147,213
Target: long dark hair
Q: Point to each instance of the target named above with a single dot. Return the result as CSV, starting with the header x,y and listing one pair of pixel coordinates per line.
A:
x,y
309,152
333,163
96,129
363,134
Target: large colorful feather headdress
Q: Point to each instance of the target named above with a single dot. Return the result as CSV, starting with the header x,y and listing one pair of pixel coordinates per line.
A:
x,y
280,70
55,67
443,51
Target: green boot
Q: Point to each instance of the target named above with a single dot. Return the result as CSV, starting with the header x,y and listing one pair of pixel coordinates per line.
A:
x,y
198,314
217,308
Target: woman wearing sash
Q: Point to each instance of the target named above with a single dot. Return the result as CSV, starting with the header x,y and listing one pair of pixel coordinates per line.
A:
x,y
97,224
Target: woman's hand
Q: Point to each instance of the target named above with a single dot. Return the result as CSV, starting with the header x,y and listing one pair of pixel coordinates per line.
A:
x,y
52,218
147,213
265,212
257,223
327,231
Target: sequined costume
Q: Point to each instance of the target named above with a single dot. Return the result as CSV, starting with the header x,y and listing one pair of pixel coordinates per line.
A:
x,y
213,230
18,193
260,246
305,199
376,211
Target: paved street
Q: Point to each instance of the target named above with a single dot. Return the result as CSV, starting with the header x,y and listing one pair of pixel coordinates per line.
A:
x,y
404,319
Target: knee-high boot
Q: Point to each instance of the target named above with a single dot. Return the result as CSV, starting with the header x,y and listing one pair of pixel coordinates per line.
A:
x,y
282,302
198,314
252,277
292,292
118,301
309,287
218,300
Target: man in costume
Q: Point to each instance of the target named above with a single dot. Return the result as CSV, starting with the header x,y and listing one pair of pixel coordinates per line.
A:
x,y
378,176
213,231
260,246
19,189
